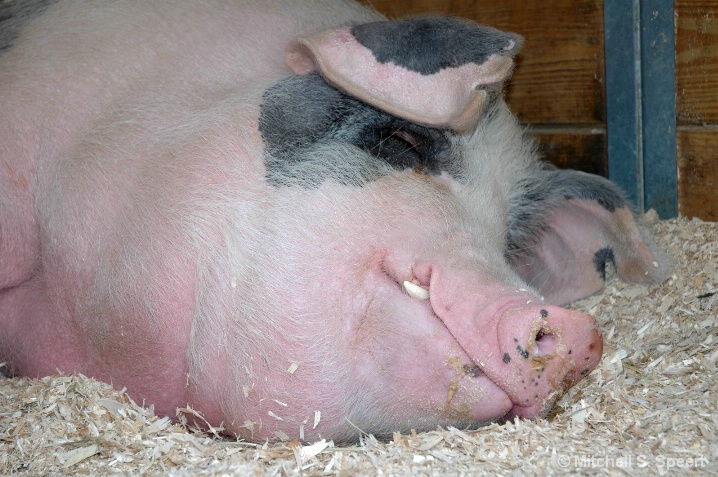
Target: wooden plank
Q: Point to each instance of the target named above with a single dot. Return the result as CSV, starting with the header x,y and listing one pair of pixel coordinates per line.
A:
x,y
580,150
697,61
698,178
559,75
697,107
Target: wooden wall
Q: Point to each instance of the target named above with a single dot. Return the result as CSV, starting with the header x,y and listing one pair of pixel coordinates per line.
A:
x,y
697,107
558,88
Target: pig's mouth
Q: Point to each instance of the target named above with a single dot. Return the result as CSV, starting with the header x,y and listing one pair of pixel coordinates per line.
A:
x,y
529,351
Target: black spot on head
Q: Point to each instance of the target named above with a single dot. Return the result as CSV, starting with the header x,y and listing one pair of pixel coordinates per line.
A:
x,y
601,258
524,354
544,313
507,358
301,114
570,351
429,44
15,14
584,372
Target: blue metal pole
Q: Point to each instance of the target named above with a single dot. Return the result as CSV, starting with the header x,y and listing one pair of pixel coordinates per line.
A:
x,y
623,96
640,102
658,79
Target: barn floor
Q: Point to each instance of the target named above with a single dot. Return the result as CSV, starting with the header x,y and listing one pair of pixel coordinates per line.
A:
x,y
649,408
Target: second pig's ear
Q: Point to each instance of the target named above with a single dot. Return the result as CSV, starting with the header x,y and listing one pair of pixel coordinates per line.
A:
x,y
428,70
579,223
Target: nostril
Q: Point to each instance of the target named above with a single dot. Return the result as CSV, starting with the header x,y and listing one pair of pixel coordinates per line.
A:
x,y
545,343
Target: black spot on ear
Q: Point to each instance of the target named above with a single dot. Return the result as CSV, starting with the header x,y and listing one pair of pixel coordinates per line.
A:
x,y
545,191
600,259
581,185
429,44
522,352
507,358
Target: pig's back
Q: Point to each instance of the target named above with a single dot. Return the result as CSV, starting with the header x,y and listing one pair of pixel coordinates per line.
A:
x,y
76,58
72,71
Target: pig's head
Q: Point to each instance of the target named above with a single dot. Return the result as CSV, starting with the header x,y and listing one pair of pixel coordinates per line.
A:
x,y
423,246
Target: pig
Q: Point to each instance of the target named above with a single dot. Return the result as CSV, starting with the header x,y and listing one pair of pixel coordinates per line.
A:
x,y
298,219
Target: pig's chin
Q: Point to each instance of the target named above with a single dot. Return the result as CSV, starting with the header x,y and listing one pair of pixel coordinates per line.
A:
x,y
493,403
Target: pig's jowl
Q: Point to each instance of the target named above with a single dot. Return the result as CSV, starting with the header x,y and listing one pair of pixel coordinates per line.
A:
x,y
296,217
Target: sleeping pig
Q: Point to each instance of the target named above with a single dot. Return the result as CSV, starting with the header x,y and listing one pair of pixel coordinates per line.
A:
x,y
298,218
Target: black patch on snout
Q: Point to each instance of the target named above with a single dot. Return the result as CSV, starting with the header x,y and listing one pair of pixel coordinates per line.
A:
x,y
15,14
472,370
429,44
303,115
601,258
507,358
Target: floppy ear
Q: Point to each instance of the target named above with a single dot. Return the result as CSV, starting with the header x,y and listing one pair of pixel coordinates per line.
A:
x,y
581,223
430,70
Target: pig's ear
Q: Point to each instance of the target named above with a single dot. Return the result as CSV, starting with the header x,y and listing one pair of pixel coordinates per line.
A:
x,y
430,70
569,227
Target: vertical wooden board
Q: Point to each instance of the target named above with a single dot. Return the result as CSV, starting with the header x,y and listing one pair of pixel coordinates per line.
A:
x,y
696,61
698,173
559,74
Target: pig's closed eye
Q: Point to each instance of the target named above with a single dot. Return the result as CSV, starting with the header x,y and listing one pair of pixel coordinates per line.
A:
x,y
400,148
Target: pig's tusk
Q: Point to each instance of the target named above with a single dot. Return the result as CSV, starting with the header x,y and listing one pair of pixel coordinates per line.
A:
x,y
415,291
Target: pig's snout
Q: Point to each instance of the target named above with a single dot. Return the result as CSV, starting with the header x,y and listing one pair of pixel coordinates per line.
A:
x,y
544,351
533,352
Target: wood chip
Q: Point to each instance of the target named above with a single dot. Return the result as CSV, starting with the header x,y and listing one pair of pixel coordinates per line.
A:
x,y
74,456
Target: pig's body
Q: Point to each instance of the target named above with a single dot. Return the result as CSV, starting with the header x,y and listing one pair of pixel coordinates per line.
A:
x,y
168,225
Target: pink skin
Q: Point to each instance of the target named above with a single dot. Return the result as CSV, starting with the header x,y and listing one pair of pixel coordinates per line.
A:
x,y
406,363
124,241
369,354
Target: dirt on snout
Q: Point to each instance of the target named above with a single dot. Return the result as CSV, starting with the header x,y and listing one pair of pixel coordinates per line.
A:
x,y
648,409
